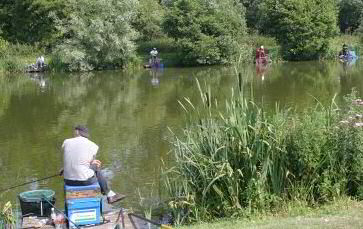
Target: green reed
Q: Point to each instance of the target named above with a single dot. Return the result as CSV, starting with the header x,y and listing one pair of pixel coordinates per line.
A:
x,y
7,217
15,57
237,159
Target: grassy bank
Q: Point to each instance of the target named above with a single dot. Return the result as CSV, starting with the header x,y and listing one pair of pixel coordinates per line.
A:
x,y
343,213
15,57
353,42
171,56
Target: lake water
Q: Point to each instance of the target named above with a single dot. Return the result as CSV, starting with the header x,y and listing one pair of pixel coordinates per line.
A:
x,y
129,113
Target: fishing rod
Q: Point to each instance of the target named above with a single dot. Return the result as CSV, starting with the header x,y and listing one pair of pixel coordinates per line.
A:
x,y
44,178
162,226
65,216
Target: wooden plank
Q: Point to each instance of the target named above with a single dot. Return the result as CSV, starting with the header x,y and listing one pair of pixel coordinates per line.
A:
x,y
82,194
111,217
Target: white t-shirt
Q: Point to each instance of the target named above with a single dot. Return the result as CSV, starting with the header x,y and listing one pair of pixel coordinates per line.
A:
x,y
78,153
154,53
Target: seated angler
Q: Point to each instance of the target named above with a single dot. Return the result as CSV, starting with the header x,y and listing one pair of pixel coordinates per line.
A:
x,y
344,52
154,54
39,62
80,166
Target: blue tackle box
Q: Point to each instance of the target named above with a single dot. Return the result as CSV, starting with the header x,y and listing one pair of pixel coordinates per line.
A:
x,y
83,204
84,211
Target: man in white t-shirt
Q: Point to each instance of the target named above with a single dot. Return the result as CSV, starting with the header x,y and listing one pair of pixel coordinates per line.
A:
x,y
39,62
80,166
154,54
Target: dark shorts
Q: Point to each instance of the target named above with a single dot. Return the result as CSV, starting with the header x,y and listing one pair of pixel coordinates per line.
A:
x,y
89,181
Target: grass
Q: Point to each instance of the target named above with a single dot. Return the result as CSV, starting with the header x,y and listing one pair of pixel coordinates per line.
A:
x,y
336,45
343,213
236,160
171,56
167,51
270,44
7,217
15,57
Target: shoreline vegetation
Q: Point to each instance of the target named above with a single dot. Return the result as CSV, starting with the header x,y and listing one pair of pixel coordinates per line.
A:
x,y
235,160
72,37
15,57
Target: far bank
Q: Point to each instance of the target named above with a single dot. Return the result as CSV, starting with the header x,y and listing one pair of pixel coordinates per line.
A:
x,y
16,57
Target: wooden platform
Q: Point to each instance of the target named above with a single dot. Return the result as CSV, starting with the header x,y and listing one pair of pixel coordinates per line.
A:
x,y
111,222
34,69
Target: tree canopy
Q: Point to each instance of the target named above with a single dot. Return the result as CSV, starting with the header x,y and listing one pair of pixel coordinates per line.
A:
x,y
206,31
149,19
350,13
90,34
28,21
96,34
303,28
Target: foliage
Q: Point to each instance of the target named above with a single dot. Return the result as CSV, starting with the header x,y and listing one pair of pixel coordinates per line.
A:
x,y
149,19
7,218
14,57
206,31
335,46
95,35
350,14
303,28
252,13
3,48
27,21
239,160
254,41
164,45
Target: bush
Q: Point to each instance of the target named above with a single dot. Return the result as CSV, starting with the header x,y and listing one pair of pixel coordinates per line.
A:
x,y
350,14
96,35
148,20
163,45
4,48
335,45
302,28
15,57
241,160
205,31
254,41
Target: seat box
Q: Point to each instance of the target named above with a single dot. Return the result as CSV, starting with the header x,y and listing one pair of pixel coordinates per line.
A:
x,y
84,211
75,192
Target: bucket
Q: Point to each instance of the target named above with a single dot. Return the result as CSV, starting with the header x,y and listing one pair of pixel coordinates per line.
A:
x,y
35,203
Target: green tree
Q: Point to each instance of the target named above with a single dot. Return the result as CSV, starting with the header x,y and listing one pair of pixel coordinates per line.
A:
x,y
252,13
149,19
206,31
96,34
27,21
350,13
302,27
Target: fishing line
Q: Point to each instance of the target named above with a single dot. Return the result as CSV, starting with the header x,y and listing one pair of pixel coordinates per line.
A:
x,y
45,178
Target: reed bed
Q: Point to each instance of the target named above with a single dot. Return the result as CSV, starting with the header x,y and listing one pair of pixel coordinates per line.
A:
x,y
236,159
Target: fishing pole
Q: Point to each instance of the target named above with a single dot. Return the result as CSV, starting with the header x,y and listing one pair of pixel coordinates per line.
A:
x,y
65,216
162,226
45,178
